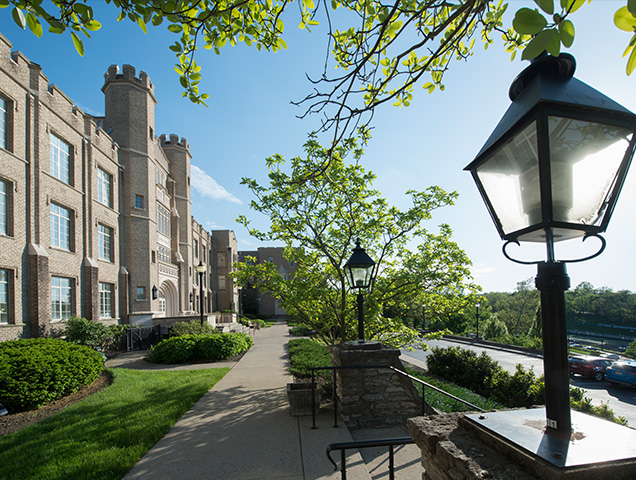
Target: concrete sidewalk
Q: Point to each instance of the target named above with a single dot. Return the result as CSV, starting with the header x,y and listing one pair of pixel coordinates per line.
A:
x,y
242,429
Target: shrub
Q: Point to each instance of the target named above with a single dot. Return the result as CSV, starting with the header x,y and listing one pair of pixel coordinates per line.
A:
x,y
191,328
485,376
189,348
301,331
92,334
304,354
37,371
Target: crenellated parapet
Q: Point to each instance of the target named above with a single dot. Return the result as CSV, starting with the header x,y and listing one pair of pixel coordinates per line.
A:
x,y
174,140
128,74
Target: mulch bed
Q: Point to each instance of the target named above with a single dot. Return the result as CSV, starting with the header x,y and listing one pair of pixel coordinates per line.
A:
x,y
16,421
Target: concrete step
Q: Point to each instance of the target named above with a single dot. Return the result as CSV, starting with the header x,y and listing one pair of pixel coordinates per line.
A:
x,y
407,458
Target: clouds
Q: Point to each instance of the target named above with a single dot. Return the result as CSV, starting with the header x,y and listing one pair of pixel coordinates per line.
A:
x,y
207,186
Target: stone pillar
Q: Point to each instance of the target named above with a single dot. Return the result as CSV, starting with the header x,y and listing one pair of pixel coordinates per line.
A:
x,y
373,397
124,294
90,271
39,290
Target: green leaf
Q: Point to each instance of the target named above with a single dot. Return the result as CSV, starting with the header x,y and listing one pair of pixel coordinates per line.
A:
x,y
631,63
624,20
34,24
566,32
93,25
4,3
175,28
546,5
309,4
18,18
631,6
79,45
554,47
142,24
529,22
572,6
537,45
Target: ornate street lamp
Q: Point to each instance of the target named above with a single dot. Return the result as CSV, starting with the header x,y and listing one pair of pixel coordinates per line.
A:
x,y
201,271
359,271
477,318
552,170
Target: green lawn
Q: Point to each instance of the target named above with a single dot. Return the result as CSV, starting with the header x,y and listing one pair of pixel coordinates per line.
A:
x,y
103,436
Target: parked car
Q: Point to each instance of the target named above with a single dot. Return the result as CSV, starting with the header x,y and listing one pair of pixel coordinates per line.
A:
x,y
588,366
623,373
611,356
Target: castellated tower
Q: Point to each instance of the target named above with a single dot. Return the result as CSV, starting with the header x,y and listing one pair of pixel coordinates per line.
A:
x,y
130,120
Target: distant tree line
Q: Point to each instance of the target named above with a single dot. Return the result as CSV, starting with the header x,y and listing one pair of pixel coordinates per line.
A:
x,y
600,311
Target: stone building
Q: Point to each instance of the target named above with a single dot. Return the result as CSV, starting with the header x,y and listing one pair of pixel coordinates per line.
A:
x,y
95,212
255,301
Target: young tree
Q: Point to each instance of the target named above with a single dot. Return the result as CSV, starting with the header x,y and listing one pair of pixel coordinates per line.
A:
x,y
381,50
319,217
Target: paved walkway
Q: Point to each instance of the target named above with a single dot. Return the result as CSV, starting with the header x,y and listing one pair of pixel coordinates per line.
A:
x,y
242,429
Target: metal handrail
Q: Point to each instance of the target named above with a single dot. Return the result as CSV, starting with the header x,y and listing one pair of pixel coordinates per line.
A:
x,y
396,370
382,442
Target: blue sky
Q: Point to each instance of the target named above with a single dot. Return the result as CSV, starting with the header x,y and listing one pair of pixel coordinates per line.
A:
x,y
429,143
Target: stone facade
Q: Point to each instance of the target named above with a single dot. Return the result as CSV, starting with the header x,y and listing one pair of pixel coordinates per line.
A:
x,y
373,397
252,298
96,211
225,254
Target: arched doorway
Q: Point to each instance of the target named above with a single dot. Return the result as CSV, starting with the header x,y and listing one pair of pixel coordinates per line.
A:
x,y
168,299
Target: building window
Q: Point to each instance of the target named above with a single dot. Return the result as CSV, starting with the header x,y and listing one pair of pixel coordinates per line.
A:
x,y
61,296
139,201
5,203
221,260
105,242
163,220
104,187
195,247
202,253
60,159
106,300
164,253
60,227
4,123
4,295
141,293
221,282
160,178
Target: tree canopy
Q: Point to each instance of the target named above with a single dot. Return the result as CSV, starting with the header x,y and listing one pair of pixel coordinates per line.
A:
x,y
377,52
319,217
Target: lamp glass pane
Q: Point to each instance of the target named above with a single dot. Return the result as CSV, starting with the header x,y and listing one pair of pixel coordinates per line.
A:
x,y
360,276
510,178
585,158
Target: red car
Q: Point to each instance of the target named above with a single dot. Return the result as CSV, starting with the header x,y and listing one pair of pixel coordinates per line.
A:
x,y
589,366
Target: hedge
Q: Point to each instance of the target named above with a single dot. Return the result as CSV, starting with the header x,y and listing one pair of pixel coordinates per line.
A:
x,y
304,354
189,348
37,371
485,376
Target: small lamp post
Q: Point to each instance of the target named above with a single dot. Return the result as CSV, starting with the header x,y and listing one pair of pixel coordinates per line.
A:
x,y
359,271
552,170
477,318
201,271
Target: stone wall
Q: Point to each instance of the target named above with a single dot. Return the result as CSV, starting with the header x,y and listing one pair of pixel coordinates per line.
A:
x,y
373,397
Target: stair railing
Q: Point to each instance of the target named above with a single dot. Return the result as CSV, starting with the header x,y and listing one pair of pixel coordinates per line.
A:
x,y
383,442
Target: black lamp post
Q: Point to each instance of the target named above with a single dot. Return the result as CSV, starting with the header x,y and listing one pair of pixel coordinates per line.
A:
x,y
552,170
201,271
477,318
359,271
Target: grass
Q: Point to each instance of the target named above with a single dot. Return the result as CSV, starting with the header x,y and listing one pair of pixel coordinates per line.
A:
x,y
103,436
445,403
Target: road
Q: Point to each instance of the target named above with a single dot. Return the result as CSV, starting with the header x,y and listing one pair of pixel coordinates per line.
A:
x,y
621,399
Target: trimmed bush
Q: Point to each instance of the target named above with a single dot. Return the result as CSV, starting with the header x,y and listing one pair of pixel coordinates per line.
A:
x,y
37,371
304,354
191,328
485,376
190,348
301,331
